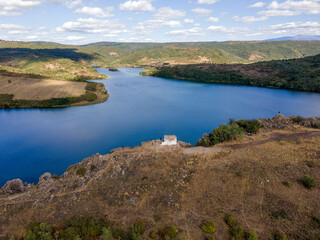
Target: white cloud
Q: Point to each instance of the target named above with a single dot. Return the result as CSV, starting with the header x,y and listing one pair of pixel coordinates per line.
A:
x,y
275,13
91,25
33,37
213,19
169,13
148,27
74,38
188,20
305,6
224,29
17,32
14,7
187,32
291,28
257,5
249,19
12,27
207,1
140,5
95,11
201,11
73,4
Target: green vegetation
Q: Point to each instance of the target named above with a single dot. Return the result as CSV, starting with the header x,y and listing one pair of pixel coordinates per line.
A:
x,y
237,231
91,86
153,234
309,182
59,61
168,232
55,176
279,235
297,74
138,227
250,236
287,184
208,227
106,233
81,171
7,101
280,214
250,126
225,132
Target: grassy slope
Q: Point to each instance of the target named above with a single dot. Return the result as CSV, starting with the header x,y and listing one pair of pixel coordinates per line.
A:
x,y
297,74
165,186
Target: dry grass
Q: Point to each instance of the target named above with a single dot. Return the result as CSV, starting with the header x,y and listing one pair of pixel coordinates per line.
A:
x,y
185,189
40,89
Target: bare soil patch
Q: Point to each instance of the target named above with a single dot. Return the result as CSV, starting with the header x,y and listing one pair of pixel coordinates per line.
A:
x,y
40,89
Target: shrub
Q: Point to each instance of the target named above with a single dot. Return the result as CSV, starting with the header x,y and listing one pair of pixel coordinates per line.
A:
x,y
237,232
250,126
85,227
93,167
30,236
89,96
168,232
225,132
91,86
250,236
153,234
230,220
279,214
208,227
40,231
287,184
210,238
106,233
138,227
309,182
81,171
297,119
279,235
316,220
55,176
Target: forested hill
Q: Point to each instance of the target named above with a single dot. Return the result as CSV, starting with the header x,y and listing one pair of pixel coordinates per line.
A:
x,y
296,74
68,62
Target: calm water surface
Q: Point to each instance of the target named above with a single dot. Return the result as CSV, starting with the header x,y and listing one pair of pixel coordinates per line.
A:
x,y
34,141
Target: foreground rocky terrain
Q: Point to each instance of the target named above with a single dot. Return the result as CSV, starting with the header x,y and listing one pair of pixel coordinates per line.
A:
x,y
257,179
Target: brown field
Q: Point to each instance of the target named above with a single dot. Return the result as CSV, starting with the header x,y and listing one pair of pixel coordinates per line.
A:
x,y
40,89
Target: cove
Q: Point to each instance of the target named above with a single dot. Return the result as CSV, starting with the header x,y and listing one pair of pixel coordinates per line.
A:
x,y
34,141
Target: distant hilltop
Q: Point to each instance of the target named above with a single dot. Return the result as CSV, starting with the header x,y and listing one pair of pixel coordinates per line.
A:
x,y
297,38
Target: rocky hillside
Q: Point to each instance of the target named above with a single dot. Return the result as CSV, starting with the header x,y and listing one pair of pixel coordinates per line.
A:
x,y
260,182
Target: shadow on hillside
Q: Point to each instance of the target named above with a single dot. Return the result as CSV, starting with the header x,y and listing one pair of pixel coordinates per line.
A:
x,y
8,54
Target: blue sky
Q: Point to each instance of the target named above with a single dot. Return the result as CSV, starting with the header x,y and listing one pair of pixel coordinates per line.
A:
x,y
85,21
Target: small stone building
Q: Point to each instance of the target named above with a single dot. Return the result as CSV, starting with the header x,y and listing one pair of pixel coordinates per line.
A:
x,y
170,140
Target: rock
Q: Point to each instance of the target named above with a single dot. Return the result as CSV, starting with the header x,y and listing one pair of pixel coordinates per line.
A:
x,y
13,187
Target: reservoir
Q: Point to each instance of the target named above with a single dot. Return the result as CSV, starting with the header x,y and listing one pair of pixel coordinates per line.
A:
x,y
34,141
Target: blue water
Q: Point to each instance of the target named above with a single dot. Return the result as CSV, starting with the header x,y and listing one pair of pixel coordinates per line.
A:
x,y
34,141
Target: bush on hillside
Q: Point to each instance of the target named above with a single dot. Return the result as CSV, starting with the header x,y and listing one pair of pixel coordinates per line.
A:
x,y
225,133
309,182
250,126
208,227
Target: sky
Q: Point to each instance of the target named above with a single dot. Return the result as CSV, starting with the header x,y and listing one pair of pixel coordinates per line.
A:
x,y
87,21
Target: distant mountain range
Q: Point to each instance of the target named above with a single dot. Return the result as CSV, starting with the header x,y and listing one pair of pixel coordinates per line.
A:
x,y
297,38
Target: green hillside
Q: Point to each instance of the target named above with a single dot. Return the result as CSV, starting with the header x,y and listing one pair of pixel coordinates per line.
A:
x,y
296,74
68,62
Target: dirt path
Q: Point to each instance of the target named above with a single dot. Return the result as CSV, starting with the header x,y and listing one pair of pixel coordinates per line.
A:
x,y
274,137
